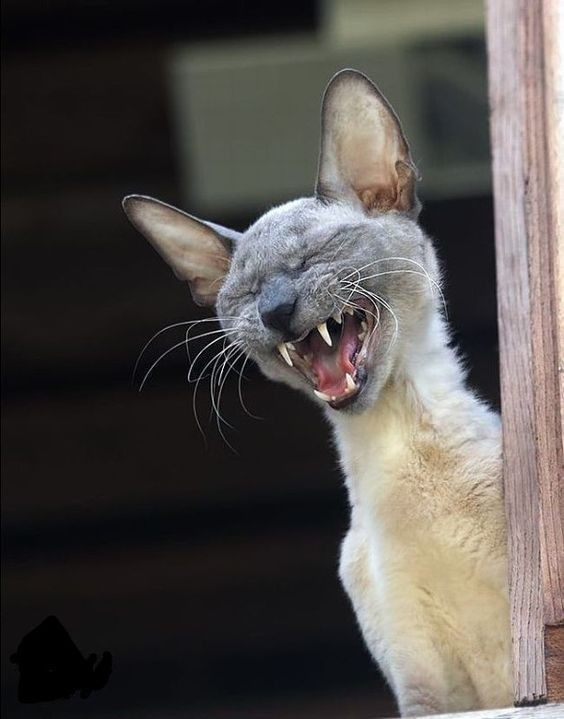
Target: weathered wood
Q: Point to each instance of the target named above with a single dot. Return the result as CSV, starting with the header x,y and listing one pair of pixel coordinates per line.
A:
x,y
554,656
552,490
521,73
553,503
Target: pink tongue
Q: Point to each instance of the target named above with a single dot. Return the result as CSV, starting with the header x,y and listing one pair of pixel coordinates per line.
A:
x,y
330,364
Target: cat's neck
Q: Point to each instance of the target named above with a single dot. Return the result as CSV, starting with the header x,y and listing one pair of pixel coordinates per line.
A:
x,y
426,398
421,387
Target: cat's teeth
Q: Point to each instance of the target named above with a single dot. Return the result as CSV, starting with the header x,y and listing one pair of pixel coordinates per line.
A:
x,y
285,354
324,332
290,346
338,318
351,384
349,310
322,395
364,325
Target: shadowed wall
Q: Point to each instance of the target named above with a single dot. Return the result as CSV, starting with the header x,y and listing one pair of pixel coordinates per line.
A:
x,y
210,575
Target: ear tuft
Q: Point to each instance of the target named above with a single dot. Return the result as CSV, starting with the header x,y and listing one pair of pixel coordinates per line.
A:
x,y
365,156
198,252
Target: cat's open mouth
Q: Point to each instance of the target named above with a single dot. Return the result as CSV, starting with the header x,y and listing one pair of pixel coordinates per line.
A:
x,y
332,357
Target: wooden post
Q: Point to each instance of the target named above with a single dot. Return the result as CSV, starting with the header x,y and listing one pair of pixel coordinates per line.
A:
x,y
525,75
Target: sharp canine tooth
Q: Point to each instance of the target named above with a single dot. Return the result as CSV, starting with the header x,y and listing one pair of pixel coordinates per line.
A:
x,y
324,332
321,395
290,346
364,325
349,310
285,354
351,384
337,317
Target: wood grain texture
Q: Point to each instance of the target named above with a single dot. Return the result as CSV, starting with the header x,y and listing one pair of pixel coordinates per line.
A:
x,y
553,499
526,250
554,655
546,155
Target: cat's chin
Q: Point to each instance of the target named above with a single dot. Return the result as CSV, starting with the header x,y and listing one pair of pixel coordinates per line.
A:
x,y
363,401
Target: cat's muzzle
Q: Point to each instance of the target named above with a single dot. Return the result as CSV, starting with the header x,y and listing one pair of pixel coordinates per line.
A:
x,y
332,356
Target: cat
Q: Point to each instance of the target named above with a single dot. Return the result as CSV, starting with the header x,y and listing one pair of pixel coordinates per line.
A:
x,y
338,296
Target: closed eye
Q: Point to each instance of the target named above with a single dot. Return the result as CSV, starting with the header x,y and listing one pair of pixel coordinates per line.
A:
x,y
242,295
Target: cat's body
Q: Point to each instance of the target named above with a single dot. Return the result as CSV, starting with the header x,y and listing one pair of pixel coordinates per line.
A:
x,y
338,296
424,561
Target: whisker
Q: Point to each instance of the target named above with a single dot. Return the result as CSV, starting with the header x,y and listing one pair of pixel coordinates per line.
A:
x,y
372,295
199,379
223,375
176,346
375,299
219,384
189,377
191,323
240,392
431,280
216,383
355,306
222,364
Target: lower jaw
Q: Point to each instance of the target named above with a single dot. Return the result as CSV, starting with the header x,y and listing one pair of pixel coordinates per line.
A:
x,y
344,402
348,400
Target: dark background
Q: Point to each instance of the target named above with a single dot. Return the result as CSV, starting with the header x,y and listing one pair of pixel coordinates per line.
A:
x,y
210,575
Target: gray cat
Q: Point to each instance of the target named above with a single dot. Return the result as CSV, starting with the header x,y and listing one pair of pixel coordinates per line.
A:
x,y
338,295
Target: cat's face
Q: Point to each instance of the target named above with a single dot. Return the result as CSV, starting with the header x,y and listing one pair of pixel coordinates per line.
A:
x,y
328,293
325,297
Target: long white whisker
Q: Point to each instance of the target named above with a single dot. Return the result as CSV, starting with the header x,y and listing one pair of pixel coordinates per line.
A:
x,y
216,383
213,380
199,379
432,282
171,349
201,336
223,375
349,303
372,295
191,323
240,390
208,345
219,383
381,259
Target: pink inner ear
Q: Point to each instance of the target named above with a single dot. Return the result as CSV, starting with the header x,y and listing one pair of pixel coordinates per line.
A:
x,y
370,159
364,151
370,172
196,250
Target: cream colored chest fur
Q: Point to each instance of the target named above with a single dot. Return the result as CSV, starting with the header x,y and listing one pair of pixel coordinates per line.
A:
x,y
424,562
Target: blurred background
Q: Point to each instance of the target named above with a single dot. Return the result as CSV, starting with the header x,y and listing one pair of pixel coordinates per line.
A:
x,y
210,574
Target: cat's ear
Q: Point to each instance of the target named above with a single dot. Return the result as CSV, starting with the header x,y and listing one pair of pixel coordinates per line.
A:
x,y
364,153
198,252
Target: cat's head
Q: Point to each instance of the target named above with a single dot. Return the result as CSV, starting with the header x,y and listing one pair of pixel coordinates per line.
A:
x,y
328,293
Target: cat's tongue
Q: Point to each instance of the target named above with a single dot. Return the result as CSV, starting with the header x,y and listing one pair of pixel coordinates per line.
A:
x,y
331,364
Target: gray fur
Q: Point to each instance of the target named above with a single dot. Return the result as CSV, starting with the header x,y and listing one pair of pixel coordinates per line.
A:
x,y
314,243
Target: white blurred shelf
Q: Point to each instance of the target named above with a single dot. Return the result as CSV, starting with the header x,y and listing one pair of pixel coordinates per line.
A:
x,y
246,112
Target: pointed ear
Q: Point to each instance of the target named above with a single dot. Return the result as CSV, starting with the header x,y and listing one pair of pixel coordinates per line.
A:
x,y
197,251
364,154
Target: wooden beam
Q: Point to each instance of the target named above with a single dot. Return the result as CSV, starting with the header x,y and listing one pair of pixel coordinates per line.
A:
x,y
524,74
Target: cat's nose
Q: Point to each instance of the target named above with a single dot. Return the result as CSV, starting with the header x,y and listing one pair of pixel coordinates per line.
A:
x,y
279,317
277,303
